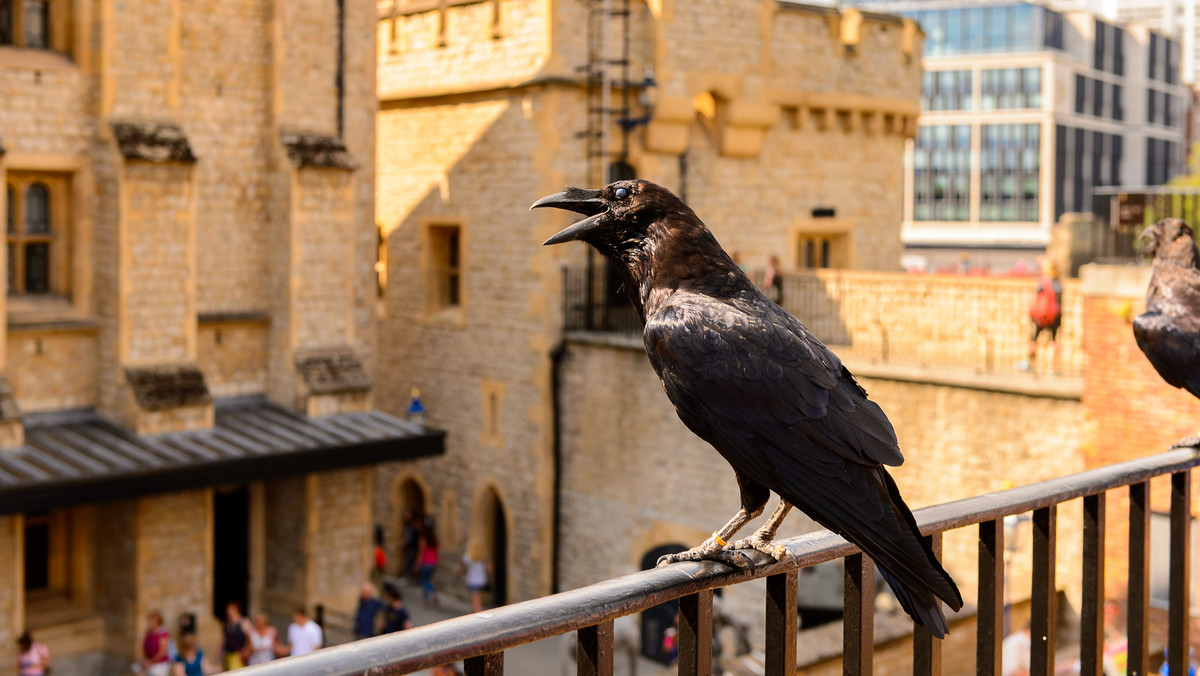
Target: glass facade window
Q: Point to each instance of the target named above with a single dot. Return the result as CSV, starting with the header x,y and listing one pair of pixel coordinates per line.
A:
x,y
1081,97
946,90
1008,88
1083,160
1118,106
1010,160
995,28
942,173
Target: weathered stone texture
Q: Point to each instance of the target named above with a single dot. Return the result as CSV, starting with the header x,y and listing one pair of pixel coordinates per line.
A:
x,y
286,569
116,595
157,232
44,110
325,213
414,60
145,67
310,97
174,550
233,357
341,537
34,361
11,597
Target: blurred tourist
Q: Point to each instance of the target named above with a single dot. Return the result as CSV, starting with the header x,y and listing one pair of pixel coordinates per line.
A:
x,y
427,560
477,568
367,613
236,646
33,658
264,640
395,615
1045,314
155,660
304,635
190,660
773,280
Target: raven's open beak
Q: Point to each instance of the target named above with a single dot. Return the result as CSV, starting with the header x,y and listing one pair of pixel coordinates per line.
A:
x,y
1146,239
586,202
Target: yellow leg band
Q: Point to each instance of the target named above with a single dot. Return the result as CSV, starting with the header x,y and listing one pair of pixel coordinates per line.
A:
x,y
718,539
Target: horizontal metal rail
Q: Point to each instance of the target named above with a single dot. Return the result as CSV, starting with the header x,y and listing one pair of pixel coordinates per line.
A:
x,y
480,639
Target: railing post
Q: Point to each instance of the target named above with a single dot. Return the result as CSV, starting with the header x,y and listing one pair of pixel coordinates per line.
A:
x,y
927,651
695,634
989,631
1138,594
491,664
858,628
781,624
594,650
1091,641
1043,606
1179,607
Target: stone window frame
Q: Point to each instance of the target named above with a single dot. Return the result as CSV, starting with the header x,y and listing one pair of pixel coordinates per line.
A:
x,y
19,186
56,21
445,269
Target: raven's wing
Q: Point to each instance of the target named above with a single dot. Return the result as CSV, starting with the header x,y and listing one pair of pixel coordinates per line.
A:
x,y
781,408
767,370
1174,352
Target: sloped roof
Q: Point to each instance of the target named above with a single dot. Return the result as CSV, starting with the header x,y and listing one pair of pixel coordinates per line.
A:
x,y
78,457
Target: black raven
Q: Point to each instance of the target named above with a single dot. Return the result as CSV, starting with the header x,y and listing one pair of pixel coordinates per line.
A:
x,y
1169,331
751,380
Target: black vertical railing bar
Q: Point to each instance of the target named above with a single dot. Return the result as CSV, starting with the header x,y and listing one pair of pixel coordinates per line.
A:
x,y
1179,607
1043,610
695,634
594,650
780,641
989,630
858,619
1091,638
1138,594
489,664
927,651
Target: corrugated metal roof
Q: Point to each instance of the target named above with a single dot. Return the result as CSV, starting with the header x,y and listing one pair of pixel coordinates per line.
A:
x,y
79,457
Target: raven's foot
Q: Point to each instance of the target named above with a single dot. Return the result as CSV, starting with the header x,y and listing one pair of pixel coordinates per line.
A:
x,y
709,550
1189,442
763,544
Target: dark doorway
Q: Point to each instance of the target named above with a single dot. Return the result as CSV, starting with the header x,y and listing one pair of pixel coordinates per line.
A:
x,y
412,514
231,549
656,620
499,555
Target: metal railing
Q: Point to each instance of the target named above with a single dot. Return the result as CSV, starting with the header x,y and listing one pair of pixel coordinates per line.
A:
x,y
481,639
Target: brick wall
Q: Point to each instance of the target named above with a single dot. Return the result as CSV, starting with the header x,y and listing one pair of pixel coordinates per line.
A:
x,y
976,324
34,369
233,357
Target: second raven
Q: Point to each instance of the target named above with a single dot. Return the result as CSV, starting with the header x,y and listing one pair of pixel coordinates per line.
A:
x,y
750,379
1169,331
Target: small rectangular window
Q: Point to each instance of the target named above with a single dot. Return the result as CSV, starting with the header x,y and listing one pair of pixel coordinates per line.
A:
x,y
37,233
446,266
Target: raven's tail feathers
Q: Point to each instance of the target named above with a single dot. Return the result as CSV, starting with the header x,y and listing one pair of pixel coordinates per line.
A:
x,y
926,612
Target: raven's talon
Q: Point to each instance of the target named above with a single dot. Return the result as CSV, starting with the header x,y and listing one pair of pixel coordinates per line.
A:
x,y
1188,442
733,559
757,543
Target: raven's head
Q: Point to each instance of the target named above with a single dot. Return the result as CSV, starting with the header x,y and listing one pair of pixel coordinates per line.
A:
x,y
619,215
1168,238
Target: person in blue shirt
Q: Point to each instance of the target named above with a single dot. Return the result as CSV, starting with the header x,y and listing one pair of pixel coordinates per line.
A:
x,y
369,605
395,615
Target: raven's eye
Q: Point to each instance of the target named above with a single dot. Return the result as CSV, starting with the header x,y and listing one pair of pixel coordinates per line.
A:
x,y
621,193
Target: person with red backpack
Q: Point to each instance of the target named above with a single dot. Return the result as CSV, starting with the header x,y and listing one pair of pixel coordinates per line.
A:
x,y
1045,313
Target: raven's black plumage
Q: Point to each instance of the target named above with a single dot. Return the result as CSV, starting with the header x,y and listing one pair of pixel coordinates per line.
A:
x,y
750,379
1169,331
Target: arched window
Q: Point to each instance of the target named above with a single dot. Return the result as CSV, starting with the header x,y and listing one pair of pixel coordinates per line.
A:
x,y
35,233
37,209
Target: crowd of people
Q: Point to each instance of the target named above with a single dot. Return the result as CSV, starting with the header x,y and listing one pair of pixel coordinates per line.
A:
x,y
253,640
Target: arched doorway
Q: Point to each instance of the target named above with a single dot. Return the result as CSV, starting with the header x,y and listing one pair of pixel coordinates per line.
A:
x,y
489,528
656,620
412,512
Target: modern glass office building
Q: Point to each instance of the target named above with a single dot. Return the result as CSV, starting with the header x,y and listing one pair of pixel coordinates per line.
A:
x,y
1024,111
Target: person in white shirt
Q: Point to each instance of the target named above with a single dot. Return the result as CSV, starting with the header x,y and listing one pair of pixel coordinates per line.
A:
x,y
304,635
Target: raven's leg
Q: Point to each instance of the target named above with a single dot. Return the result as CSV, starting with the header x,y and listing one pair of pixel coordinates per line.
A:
x,y
761,540
713,549
754,498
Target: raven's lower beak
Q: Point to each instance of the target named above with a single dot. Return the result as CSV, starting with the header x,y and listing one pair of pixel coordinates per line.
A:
x,y
586,202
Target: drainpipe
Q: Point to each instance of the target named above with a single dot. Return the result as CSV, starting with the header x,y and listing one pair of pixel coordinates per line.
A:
x,y
557,357
340,79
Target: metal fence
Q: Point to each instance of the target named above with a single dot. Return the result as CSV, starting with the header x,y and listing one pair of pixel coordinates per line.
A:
x,y
976,325
481,639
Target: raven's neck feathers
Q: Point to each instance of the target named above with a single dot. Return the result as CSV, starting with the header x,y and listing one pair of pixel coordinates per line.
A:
x,y
1181,252
677,252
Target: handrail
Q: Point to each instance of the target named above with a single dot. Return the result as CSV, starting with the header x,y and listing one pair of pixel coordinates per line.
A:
x,y
491,632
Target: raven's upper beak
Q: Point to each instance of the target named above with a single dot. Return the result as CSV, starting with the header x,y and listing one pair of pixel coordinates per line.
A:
x,y
1146,239
586,202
